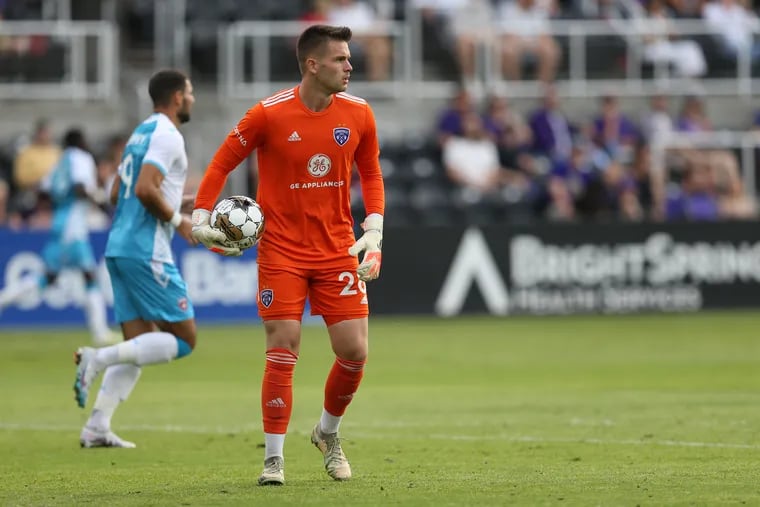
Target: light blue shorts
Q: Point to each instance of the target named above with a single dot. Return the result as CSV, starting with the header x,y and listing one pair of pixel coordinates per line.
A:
x,y
148,290
76,254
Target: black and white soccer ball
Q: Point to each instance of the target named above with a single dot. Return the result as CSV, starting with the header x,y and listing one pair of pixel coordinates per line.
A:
x,y
241,219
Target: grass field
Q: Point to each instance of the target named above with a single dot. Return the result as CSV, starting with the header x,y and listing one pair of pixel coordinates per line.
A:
x,y
640,410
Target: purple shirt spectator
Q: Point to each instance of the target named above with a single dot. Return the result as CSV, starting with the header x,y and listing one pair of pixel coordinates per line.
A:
x,y
698,207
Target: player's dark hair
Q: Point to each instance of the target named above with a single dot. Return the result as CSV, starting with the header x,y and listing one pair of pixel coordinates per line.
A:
x,y
74,138
164,84
313,38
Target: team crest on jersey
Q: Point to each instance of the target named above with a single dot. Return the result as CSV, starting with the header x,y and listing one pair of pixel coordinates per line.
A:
x,y
319,165
341,135
182,304
266,297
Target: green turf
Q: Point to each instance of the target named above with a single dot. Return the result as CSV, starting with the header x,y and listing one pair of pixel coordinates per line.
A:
x,y
640,410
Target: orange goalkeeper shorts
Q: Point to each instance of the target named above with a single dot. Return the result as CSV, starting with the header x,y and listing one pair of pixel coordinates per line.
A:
x,y
335,294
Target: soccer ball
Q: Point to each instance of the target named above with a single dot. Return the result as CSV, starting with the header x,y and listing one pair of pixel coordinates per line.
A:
x,y
240,219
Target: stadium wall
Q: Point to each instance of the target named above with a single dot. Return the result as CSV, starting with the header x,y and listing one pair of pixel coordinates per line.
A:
x,y
447,271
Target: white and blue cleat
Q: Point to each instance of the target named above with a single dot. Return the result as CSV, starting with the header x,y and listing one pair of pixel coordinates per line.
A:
x,y
82,357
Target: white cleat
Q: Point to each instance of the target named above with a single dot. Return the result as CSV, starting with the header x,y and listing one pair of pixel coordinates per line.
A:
x,y
274,472
336,463
90,438
85,374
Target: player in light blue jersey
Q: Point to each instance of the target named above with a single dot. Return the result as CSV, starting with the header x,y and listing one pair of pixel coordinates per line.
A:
x,y
71,188
150,296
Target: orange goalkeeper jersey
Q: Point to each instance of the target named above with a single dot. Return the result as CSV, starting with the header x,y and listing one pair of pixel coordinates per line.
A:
x,y
305,161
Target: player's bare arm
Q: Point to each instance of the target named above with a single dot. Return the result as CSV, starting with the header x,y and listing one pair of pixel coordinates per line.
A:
x,y
148,191
114,197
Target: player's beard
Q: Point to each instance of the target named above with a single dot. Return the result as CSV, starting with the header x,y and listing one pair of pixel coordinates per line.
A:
x,y
183,115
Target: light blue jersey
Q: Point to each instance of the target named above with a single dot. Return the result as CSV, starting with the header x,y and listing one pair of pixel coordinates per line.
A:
x,y
146,283
135,232
69,244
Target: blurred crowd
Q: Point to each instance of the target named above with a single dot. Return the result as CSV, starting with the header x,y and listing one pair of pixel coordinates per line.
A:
x,y
25,160
601,167
486,161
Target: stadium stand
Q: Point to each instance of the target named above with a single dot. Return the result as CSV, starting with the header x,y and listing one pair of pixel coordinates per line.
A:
x,y
616,159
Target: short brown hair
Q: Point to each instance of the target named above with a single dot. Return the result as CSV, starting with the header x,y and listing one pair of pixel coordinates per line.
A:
x,y
315,36
164,84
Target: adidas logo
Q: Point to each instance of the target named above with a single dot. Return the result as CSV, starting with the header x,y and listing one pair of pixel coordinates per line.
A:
x,y
276,403
294,136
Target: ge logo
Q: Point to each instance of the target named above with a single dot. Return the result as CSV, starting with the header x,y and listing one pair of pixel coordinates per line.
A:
x,y
319,165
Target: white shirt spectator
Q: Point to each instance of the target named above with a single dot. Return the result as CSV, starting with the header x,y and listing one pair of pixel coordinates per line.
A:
x,y
733,21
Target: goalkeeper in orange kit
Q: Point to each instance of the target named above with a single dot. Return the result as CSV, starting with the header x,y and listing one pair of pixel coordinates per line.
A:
x,y
308,139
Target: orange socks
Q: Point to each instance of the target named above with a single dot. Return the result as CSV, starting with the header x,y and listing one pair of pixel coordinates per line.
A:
x,y
277,390
342,383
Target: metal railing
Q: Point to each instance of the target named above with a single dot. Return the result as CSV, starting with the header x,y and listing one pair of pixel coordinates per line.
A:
x,y
87,71
233,58
410,82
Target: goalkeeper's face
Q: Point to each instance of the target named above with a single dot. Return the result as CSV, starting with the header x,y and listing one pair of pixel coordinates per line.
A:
x,y
333,66
188,99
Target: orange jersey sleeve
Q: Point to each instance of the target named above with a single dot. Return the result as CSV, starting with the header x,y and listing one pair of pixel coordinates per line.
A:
x,y
305,161
368,164
238,145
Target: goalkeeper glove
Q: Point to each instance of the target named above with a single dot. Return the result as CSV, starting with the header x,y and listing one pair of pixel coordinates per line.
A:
x,y
211,238
370,243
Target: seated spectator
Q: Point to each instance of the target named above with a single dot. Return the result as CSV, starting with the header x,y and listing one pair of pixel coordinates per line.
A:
x,y
734,202
466,19
656,123
693,116
613,131
696,199
35,160
663,46
734,23
552,131
472,163
450,120
364,22
524,25
508,128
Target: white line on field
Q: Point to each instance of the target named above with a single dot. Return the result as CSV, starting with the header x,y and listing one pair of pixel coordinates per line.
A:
x,y
225,430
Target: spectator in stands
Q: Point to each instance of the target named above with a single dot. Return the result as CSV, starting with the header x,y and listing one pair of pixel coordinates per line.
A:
x,y
469,21
613,131
552,131
368,35
734,202
657,123
524,25
696,199
34,161
735,24
693,116
450,120
472,163
508,128
662,46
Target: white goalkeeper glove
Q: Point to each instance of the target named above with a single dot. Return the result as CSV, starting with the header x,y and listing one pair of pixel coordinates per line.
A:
x,y
212,239
370,243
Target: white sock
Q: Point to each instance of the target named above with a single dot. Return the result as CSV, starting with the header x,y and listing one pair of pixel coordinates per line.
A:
x,y
148,348
273,445
95,310
13,293
118,382
329,423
